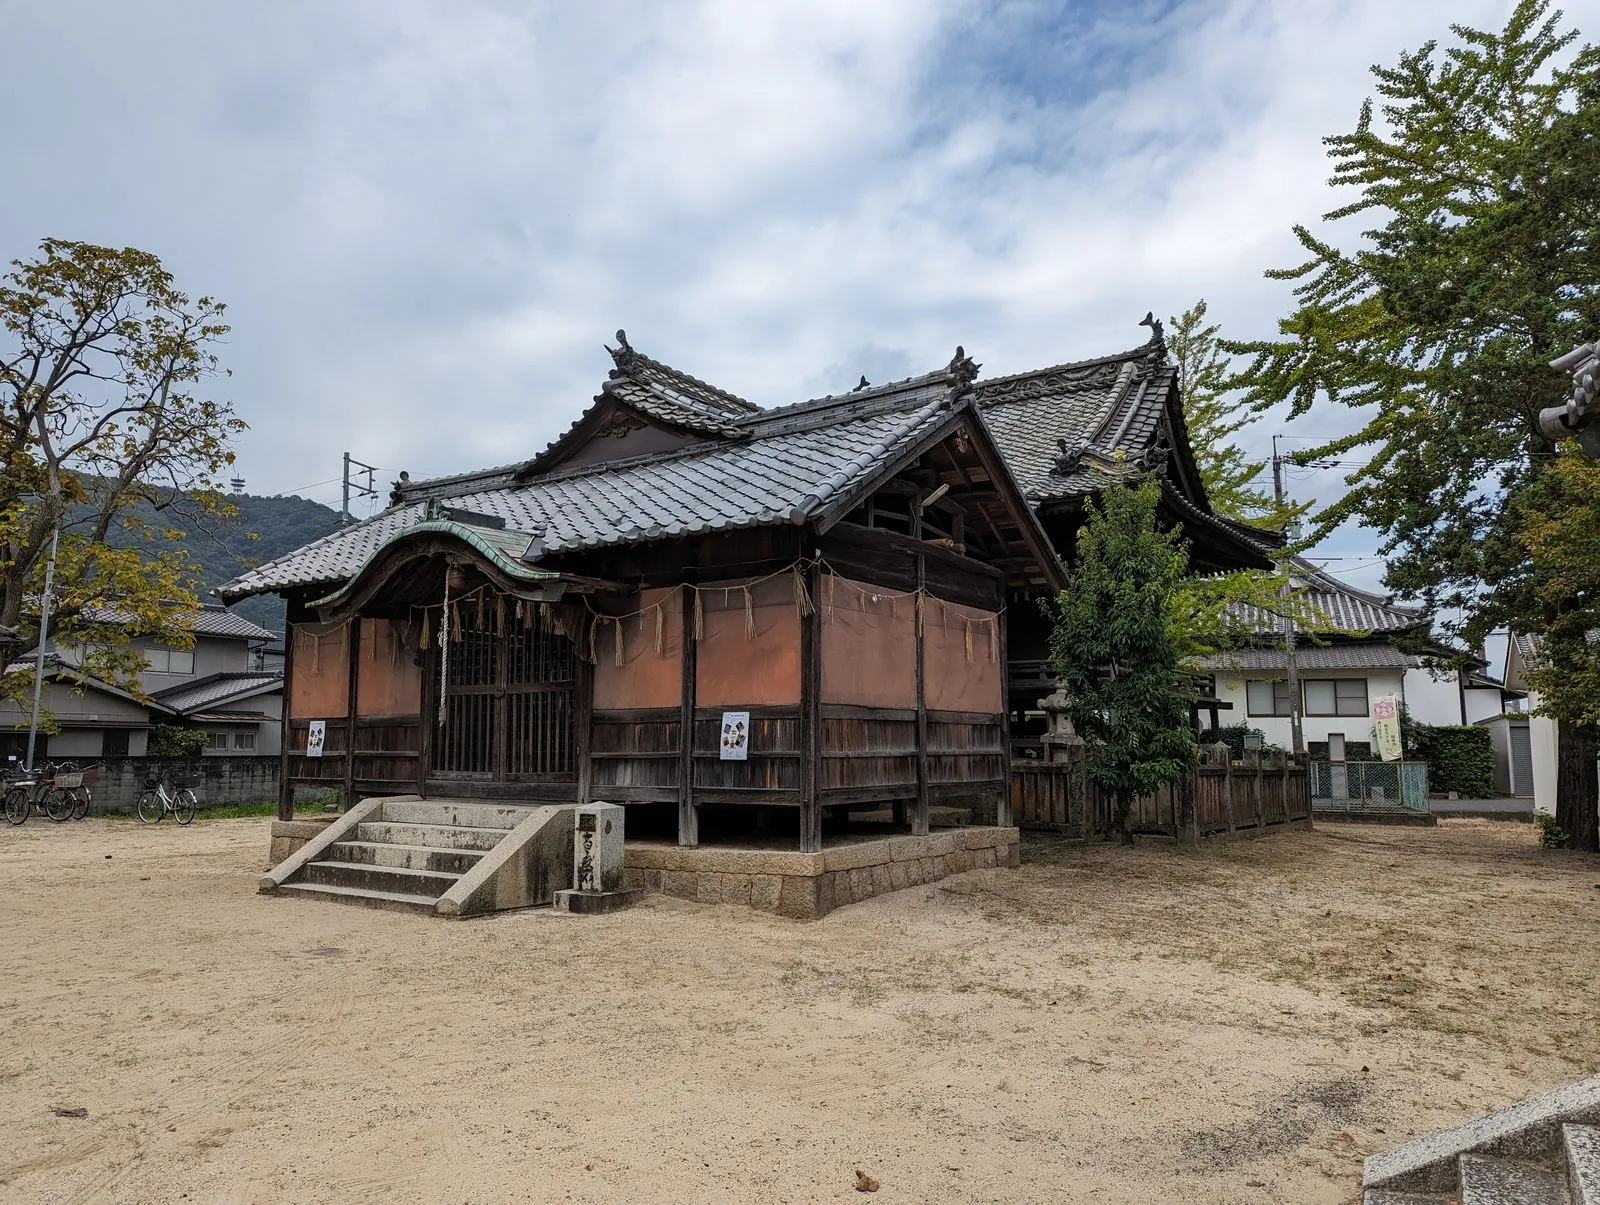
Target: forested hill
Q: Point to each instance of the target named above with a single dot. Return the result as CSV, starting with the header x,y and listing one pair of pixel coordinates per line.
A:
x,y
221,551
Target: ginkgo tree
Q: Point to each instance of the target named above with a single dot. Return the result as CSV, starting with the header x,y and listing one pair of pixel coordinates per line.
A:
x,y
104,416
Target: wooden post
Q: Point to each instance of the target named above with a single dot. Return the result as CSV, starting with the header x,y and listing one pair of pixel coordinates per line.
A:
x,y
688,816
1002,812
919,814
583,725
286,734
353,646
811,718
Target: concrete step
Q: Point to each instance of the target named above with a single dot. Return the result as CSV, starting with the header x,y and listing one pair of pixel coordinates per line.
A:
x,y
393,900
413,857
434,836
1582,1145
455,813
1503,1182
1385,1196
397,879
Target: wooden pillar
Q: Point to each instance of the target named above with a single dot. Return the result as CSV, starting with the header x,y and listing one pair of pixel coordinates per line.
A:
x,y
353,647
919,813
285,733
688,816
811,718
583,726
1002,812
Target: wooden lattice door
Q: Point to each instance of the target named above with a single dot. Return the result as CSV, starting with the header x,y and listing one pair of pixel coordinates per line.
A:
x,y
510,699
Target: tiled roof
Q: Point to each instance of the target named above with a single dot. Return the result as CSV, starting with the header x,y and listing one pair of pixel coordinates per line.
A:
x,y
791,463
215,688
210,620
1347,608
1362,655
1086,410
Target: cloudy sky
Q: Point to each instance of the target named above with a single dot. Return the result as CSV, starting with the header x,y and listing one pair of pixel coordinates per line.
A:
x,y
427,217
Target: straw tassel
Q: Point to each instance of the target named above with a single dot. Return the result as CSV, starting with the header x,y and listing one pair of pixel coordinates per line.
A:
x,y
699,618
455,620
749,615
919,616
994,638
833,581
617,627
500,614
966,630
422,641
660,628
802,597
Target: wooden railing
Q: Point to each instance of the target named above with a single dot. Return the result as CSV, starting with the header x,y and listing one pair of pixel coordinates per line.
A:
x,y
1220,794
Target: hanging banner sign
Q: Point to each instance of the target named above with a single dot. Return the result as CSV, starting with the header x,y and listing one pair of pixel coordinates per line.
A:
x,y
316,735
1386,727
735,736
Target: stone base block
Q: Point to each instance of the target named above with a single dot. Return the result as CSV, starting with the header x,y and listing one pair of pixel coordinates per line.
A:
x,y
289,835
809,886
590,902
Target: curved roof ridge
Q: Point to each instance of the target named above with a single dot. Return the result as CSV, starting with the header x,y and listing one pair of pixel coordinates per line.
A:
x,y
869,394
1143,351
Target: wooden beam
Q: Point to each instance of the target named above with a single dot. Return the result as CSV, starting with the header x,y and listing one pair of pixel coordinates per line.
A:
x,y
688,816
286,737
353,645
919,812
1002,812
811,717
583,725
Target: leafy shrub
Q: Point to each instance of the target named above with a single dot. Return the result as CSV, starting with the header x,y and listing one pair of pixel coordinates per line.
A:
x,y
1232,735
1551,834
169,740
1460,758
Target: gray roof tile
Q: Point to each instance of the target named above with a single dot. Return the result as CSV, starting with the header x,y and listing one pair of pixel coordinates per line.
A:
x,y
217,688
1347,608
1376,654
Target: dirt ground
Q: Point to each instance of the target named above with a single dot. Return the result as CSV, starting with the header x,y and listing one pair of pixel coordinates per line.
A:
x,y
1241,1023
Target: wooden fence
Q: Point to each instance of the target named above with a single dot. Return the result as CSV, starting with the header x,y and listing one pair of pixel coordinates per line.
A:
x,y
1218,795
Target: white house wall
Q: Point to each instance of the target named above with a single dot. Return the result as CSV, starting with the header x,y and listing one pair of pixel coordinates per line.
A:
x,y
1277,730
1483,705
1434,700
1542,738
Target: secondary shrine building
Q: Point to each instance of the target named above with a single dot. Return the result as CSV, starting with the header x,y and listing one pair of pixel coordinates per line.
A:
x,y
739,622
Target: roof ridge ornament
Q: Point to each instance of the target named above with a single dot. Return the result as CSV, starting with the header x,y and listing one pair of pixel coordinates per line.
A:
x,y
622,355
1158,337
962,371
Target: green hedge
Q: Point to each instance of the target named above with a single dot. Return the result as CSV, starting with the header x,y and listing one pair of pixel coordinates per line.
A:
x,y
1459,758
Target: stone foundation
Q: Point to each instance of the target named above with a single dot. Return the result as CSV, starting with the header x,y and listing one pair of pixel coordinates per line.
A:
x,y
809,886
289,835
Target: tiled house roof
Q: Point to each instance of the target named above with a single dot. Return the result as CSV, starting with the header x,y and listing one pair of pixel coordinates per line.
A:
x,y
216,688
1347,608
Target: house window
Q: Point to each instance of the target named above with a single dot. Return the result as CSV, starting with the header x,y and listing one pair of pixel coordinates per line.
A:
x,y
1336,696
244,740
1267,698
114,742
216,740
169,661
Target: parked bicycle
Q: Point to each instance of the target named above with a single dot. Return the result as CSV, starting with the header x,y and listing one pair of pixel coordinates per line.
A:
x,y
26,793
158,800
72,782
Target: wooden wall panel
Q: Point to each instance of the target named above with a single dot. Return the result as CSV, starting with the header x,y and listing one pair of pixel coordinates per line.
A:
x,y
389,681
956,680
319,686
734,669
646,677
869,649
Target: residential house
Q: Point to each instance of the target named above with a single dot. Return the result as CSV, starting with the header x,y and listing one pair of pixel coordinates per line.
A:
x,y
1370,649
210,685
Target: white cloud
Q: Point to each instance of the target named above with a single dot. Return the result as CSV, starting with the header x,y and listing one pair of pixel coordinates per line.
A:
x,y
428,218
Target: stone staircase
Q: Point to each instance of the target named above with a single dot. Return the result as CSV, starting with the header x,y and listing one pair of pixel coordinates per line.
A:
x,y
433,856
1542,1151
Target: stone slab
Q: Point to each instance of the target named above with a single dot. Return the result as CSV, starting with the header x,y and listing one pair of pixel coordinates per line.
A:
x,y
1528,1129
589,903
861,853
721,860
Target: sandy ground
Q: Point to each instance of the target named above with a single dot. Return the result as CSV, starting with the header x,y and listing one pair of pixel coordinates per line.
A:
x,y
1237,1024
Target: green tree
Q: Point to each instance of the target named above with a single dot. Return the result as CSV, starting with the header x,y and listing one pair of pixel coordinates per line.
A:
x,y
1214,413
1116,652
101,362
1480,175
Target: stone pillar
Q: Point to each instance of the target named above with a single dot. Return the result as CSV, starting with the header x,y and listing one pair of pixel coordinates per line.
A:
x,y
597,850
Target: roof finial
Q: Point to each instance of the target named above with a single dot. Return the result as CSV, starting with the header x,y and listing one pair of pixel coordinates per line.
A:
x,y
1158,337
962,371
622,355
863,383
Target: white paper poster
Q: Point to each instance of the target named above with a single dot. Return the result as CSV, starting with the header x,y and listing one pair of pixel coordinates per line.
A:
x,y
735,736
1386,726
315,736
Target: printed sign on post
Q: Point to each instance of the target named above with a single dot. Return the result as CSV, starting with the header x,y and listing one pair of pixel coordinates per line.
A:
x,y
1386,726
735,736
315,736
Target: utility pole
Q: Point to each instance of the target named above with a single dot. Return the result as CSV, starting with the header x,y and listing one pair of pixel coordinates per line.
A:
x,y
44,632
1297,737
362,491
